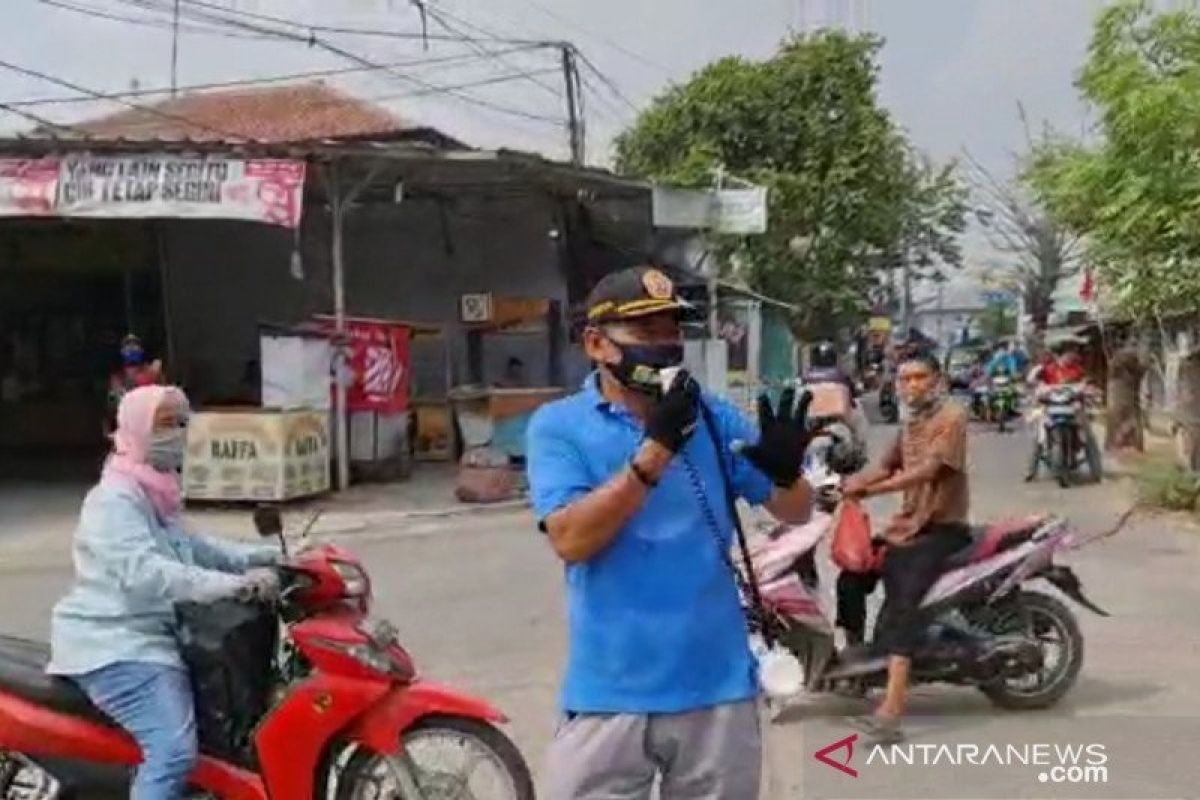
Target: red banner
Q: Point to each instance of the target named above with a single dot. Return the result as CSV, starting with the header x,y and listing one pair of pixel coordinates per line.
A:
x,y
154,185
28,187
378,359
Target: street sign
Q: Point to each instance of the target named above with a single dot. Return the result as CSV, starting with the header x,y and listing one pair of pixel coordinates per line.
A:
x,y
736,211
741,211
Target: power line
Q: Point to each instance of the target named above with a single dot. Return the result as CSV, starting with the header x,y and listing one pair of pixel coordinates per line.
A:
x,y
440,16
351,31
607,81
231,84
32,73
144,21
312,40
597,36
604,102
40,120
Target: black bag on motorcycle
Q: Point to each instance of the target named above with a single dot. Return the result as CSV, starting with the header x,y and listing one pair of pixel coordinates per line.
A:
x,y
228,648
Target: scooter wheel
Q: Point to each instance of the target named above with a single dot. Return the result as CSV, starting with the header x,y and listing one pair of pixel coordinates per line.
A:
x,y
1046,614
366,777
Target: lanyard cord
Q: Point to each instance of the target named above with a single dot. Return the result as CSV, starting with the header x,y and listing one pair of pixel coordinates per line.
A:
x,y
747,582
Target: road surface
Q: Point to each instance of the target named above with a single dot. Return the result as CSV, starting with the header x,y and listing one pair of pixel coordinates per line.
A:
x,y
478,602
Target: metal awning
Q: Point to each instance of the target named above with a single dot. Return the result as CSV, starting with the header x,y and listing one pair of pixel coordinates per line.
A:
x,y
414,163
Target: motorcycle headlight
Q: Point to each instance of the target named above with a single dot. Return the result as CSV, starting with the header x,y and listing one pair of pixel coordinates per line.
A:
x,y
353,578
375,658
381,632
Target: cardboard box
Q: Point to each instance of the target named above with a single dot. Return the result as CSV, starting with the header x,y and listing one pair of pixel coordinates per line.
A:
x,y
257,454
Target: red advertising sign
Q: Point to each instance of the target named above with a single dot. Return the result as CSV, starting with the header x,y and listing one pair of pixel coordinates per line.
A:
x,y
154,185
378,359
28,187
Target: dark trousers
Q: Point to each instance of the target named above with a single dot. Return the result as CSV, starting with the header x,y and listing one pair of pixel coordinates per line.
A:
x,y
853,589
908,574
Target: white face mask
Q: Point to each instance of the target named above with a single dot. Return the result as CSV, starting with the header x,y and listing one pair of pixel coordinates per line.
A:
x,y
165,452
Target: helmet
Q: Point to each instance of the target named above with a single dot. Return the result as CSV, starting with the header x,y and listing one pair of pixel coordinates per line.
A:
x,y
842,454
823,354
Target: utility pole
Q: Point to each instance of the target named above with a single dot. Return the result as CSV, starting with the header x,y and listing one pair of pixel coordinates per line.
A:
x,y
905,293
575,131
175,49
714,317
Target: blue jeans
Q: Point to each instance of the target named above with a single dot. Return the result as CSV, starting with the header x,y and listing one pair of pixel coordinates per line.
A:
x,y
154,703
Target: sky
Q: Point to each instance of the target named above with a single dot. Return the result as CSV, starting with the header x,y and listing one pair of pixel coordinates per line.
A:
x,y
952,71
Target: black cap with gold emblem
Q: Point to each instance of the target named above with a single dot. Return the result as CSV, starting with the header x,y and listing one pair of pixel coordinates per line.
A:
x,y
631,294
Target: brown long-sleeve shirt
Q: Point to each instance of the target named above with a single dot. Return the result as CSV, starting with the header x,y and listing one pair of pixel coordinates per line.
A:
x,y
945,499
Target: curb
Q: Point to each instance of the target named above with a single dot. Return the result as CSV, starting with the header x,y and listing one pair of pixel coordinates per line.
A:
x,y
399,518
28,554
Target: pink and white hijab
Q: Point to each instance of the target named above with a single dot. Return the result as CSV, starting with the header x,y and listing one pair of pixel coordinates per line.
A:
x,y
131,442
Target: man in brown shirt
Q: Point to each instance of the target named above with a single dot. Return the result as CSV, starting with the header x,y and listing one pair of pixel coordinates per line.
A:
x,y
928,463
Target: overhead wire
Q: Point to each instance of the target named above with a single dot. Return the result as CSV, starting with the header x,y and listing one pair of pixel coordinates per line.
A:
x,y
151,110
39,119
342,29
312,40
440,17
607,81
163,25
242,82
604,103
596,35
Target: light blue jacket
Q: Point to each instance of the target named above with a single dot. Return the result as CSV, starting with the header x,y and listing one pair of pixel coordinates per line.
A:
x,y
130,571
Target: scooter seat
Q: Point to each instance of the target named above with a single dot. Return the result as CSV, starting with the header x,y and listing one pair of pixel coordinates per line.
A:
x,y
988,540
23,673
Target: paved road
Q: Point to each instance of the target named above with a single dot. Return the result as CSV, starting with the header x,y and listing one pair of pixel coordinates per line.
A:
x,y
479,604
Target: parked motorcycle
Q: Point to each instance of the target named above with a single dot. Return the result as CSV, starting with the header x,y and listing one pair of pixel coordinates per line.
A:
x,y
987,628
1062,443
347,718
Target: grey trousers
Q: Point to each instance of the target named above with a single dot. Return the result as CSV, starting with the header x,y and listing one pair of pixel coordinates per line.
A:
x,y
710,754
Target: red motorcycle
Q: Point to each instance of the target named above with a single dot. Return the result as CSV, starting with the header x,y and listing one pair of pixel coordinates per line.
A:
x,y
344,716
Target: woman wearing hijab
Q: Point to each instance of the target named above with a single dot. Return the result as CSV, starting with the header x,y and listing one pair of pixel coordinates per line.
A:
x,y
113,632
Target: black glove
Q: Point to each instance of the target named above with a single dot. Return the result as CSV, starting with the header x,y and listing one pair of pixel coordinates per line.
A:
x,y
673,419
784,437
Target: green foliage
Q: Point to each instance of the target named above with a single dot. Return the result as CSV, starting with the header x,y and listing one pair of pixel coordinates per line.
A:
x,y
1167,485
846,192
997,322
1135,193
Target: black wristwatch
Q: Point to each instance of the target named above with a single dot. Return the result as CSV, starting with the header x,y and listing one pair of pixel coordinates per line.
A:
x,y
641,475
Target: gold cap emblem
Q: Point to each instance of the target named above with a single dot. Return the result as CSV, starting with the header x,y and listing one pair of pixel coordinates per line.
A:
x,y
658,286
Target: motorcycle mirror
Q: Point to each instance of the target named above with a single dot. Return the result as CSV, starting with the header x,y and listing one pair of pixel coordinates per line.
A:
x,y
268,521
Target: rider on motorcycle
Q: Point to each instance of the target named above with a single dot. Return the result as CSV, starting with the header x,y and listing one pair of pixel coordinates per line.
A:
x,y
824,369
1064,369
927,462
113,632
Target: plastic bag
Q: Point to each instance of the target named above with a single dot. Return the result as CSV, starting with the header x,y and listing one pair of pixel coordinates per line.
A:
x,y
228,647
852,547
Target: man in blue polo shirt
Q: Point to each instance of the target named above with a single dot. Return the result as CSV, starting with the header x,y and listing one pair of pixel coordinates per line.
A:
x,y
627,484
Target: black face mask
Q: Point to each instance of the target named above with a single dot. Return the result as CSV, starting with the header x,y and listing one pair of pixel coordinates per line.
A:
x,y
639,367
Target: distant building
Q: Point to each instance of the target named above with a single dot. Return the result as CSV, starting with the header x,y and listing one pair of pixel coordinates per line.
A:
x,y
946,315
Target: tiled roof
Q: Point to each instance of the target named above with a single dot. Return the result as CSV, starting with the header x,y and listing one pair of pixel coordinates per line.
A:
x,y
292,113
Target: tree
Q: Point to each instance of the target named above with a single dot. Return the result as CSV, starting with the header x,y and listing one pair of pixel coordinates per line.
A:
x,y
1044,250
846,191
1133,190
1135,193
997,322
